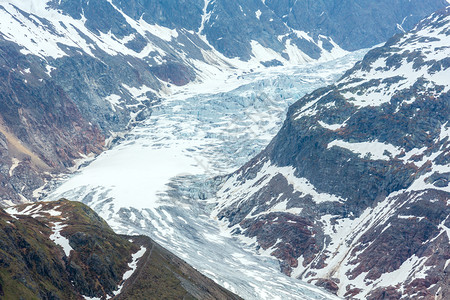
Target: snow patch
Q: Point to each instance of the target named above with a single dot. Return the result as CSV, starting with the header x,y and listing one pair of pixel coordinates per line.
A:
x,y
331,126
15,164
59,240
258,14
372,150
133,266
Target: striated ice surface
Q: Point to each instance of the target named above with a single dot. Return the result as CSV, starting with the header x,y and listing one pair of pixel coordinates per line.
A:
x,y
161,178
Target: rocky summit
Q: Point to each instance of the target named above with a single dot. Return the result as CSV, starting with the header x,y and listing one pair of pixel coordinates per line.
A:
x,y
353,192
64,250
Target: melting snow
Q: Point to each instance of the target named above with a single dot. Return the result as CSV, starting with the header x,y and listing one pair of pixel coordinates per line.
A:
x,y
58,239
372,150
133,265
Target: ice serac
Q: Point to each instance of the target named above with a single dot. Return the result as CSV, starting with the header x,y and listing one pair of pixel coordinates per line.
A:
x,y
353,193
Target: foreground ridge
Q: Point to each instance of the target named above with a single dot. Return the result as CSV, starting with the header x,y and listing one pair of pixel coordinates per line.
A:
x,y
64,250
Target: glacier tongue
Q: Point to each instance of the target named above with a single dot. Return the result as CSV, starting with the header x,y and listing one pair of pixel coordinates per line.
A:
x,y
160,179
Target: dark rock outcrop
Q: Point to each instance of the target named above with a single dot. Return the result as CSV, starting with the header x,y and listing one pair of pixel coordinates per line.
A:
x,y
42,129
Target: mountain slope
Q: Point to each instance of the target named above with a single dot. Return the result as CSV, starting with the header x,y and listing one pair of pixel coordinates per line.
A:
x,y
354,24
64,250
41,128
353,192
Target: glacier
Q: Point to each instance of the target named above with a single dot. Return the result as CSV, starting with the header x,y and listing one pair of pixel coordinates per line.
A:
x,y
160,179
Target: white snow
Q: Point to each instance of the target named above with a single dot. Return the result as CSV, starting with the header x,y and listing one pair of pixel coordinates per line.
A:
x,y
114,100
372,150
60,240
411,217
152,170
29,210
258,14
133,266
445,130
49,70
309,109
139,93
413,267
205,16
444,228
15,164
331,126
236,190
91,298
53,212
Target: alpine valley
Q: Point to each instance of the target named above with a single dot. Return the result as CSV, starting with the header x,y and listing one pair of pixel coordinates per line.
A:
x,y
263,149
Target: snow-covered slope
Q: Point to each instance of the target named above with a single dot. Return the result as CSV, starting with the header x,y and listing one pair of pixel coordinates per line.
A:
x,y
354,24
353,193
48,29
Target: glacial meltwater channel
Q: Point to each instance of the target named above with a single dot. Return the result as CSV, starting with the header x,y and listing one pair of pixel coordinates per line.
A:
x,y
159,180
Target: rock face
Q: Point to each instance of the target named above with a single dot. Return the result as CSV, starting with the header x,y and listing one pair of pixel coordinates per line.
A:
x,y
353,24
353,193
64,250
41,128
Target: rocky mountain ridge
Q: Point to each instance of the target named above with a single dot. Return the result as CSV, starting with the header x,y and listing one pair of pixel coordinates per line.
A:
x,y
353,192
64,250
